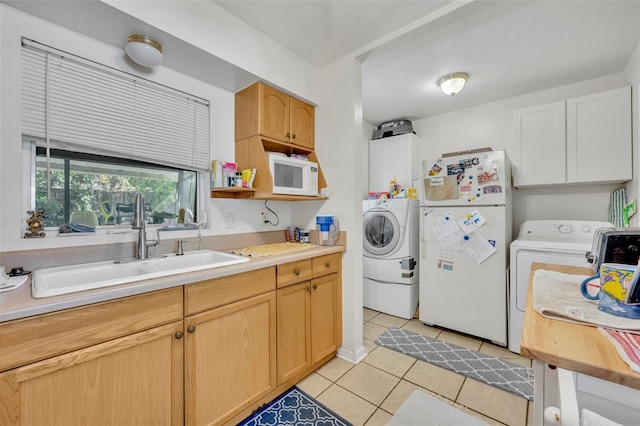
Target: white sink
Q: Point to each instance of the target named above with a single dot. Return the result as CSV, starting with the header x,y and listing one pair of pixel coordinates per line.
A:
x,y
48,282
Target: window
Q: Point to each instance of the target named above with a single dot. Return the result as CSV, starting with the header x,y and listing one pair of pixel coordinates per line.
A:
x,y
99,135
99,190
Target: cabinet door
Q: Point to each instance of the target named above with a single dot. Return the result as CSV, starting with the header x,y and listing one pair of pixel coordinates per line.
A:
x,y
539,145
302,123
274,114
229,358
599,137
135,379
294,340
326,333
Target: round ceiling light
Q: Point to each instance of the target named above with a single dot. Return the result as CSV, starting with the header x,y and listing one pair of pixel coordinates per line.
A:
x,y
453,83
144,50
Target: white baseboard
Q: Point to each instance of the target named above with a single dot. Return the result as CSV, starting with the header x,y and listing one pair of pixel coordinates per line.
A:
x,y
350,356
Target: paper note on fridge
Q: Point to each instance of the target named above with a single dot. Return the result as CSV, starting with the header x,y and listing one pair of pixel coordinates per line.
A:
x,y
477,247
472,221
441,188
446,230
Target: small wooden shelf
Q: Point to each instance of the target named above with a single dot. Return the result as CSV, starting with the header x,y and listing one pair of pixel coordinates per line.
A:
x,y
232,192
237,192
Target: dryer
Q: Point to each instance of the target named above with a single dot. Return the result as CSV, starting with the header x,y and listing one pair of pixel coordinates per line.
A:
x,y
390,247
559,242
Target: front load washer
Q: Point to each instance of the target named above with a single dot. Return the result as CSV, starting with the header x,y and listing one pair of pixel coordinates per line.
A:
x,y
390,247
559,242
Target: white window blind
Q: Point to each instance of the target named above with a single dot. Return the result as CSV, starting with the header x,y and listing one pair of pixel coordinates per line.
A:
x,y
97,109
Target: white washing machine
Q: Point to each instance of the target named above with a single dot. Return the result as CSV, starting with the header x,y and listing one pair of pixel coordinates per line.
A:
x,y
390,243
560,242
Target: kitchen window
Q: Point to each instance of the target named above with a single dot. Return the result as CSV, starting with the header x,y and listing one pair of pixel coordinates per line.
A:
x,y
100,190
97,135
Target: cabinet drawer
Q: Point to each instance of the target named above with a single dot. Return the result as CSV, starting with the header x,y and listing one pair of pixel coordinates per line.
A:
x,y
31,339
324,265
294,272
224,290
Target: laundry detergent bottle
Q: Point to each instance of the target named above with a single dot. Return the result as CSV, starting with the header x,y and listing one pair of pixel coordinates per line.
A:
x,y
327,229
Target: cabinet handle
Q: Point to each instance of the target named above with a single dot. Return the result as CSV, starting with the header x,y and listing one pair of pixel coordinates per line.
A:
x,y
328,265
297,271
309,288
191,328
288,134
179,335
294,135
315,286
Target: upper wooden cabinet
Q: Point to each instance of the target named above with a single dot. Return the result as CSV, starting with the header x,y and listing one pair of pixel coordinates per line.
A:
x,y
263,110
578,141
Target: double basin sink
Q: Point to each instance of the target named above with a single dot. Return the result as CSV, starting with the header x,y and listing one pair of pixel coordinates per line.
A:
x,y
54,281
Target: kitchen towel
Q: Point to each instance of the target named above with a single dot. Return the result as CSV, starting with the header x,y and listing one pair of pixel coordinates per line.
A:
x,y
627,345
617,202
557,296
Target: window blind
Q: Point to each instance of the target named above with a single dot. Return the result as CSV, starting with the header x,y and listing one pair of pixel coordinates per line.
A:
x,y
78,103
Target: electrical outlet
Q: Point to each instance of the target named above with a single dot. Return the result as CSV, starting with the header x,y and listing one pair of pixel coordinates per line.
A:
x,y
265,218
228,220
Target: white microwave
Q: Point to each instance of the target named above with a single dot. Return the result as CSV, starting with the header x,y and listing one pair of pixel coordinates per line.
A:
x,y
293,176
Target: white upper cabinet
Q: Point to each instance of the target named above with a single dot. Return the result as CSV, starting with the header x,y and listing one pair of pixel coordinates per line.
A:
x,y
540,156
580,140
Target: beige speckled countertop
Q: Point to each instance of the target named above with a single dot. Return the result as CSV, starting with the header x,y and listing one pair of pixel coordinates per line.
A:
x,y
18,303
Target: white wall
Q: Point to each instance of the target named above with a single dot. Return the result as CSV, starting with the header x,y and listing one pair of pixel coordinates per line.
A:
x,y
490,125
214,30
339,148
632,78
367,134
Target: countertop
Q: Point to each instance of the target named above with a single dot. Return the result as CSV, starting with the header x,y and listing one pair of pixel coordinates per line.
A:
x,y
18,303
574,347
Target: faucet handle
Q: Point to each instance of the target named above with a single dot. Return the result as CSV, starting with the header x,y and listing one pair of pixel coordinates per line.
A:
x,y
179,251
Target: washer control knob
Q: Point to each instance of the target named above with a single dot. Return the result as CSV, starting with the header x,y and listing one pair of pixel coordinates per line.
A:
x,y
564,229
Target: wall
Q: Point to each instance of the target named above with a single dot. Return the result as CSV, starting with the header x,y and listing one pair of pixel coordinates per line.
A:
x,y
367,133
490,125
209,27
632,77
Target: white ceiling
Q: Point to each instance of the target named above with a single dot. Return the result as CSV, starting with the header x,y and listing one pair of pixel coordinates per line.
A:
x,y
508,47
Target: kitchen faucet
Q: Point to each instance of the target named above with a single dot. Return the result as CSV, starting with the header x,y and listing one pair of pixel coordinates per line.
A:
x,y
139,223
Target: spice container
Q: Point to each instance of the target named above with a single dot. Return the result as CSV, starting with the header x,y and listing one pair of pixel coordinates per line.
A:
x,y
304,235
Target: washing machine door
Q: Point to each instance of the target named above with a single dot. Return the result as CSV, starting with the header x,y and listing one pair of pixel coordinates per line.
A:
x,y
381,232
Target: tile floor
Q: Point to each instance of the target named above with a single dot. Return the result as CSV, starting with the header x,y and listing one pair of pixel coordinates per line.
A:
x,y
370,393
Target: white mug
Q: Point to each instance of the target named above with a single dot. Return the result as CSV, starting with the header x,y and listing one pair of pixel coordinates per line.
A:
x,y
4,277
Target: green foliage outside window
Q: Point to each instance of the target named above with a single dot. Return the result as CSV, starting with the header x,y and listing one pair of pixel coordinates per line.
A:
x,y
110,195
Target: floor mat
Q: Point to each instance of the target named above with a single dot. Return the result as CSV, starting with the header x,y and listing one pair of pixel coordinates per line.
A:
x,y
421,409
295,407
487,369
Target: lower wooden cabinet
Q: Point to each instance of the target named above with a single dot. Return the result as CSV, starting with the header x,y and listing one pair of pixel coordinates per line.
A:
x,y
135,379
204,354
230,358
309,320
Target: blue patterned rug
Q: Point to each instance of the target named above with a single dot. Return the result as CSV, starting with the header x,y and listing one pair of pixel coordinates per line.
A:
x,y
487,369
295,407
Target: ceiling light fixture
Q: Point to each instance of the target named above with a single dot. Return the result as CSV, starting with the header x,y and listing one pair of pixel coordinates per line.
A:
x,y
144,50
453,83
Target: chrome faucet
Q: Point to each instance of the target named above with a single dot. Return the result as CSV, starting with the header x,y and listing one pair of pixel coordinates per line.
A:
x,y
139,223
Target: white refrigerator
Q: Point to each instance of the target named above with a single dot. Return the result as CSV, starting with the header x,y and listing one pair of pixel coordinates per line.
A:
x,y
465,232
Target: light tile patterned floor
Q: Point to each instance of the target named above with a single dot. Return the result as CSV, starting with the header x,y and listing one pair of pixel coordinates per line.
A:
x,y
370,393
